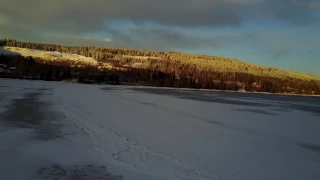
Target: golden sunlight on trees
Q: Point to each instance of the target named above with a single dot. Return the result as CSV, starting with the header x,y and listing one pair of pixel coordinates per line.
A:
x,y
180,70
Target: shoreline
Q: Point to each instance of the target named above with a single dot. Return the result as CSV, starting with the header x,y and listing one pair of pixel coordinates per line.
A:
x,y
175,88
216,90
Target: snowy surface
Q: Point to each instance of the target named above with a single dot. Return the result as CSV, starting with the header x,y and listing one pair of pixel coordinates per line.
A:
x,y
49,55
53,129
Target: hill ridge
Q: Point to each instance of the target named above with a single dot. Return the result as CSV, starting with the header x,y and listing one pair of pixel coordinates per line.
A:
x,y
170,69
221,64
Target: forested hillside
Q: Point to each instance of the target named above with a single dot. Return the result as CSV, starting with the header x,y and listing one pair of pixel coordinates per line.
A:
x,y
169,69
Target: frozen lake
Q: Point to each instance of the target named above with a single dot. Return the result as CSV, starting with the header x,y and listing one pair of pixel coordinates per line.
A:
x,y
51,130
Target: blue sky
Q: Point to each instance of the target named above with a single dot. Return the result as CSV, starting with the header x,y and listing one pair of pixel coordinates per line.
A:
x,y
280,33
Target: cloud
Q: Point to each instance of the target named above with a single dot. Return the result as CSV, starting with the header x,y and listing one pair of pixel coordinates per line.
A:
x,y
168,39
161,39
3,21
278,53
283,42
72,22
85,16
108,40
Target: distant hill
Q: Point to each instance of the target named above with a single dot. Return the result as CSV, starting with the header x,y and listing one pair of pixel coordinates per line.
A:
x,y
171,68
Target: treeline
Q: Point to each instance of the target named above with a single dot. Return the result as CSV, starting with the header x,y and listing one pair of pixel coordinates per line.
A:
x,y
160,69
222,81
16,66
198,62
37,68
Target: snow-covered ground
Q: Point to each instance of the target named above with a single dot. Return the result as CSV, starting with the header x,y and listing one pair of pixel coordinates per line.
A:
x,y
60,130
51,55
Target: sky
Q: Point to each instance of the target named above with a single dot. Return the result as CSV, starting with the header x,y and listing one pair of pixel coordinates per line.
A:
x,y
283,34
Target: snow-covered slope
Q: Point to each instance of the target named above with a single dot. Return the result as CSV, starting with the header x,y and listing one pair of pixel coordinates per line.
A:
x,y
51,55
150,133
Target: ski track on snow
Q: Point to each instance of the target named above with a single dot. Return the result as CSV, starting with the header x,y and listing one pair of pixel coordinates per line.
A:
x,y
119,149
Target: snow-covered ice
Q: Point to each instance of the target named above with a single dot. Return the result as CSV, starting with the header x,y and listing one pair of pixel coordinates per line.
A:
x,y
57,129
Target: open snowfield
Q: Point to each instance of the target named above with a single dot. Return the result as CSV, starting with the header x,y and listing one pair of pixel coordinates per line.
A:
x,y
50,55
56,130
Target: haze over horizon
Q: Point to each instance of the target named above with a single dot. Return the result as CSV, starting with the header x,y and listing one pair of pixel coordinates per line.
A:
x,y
283,34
